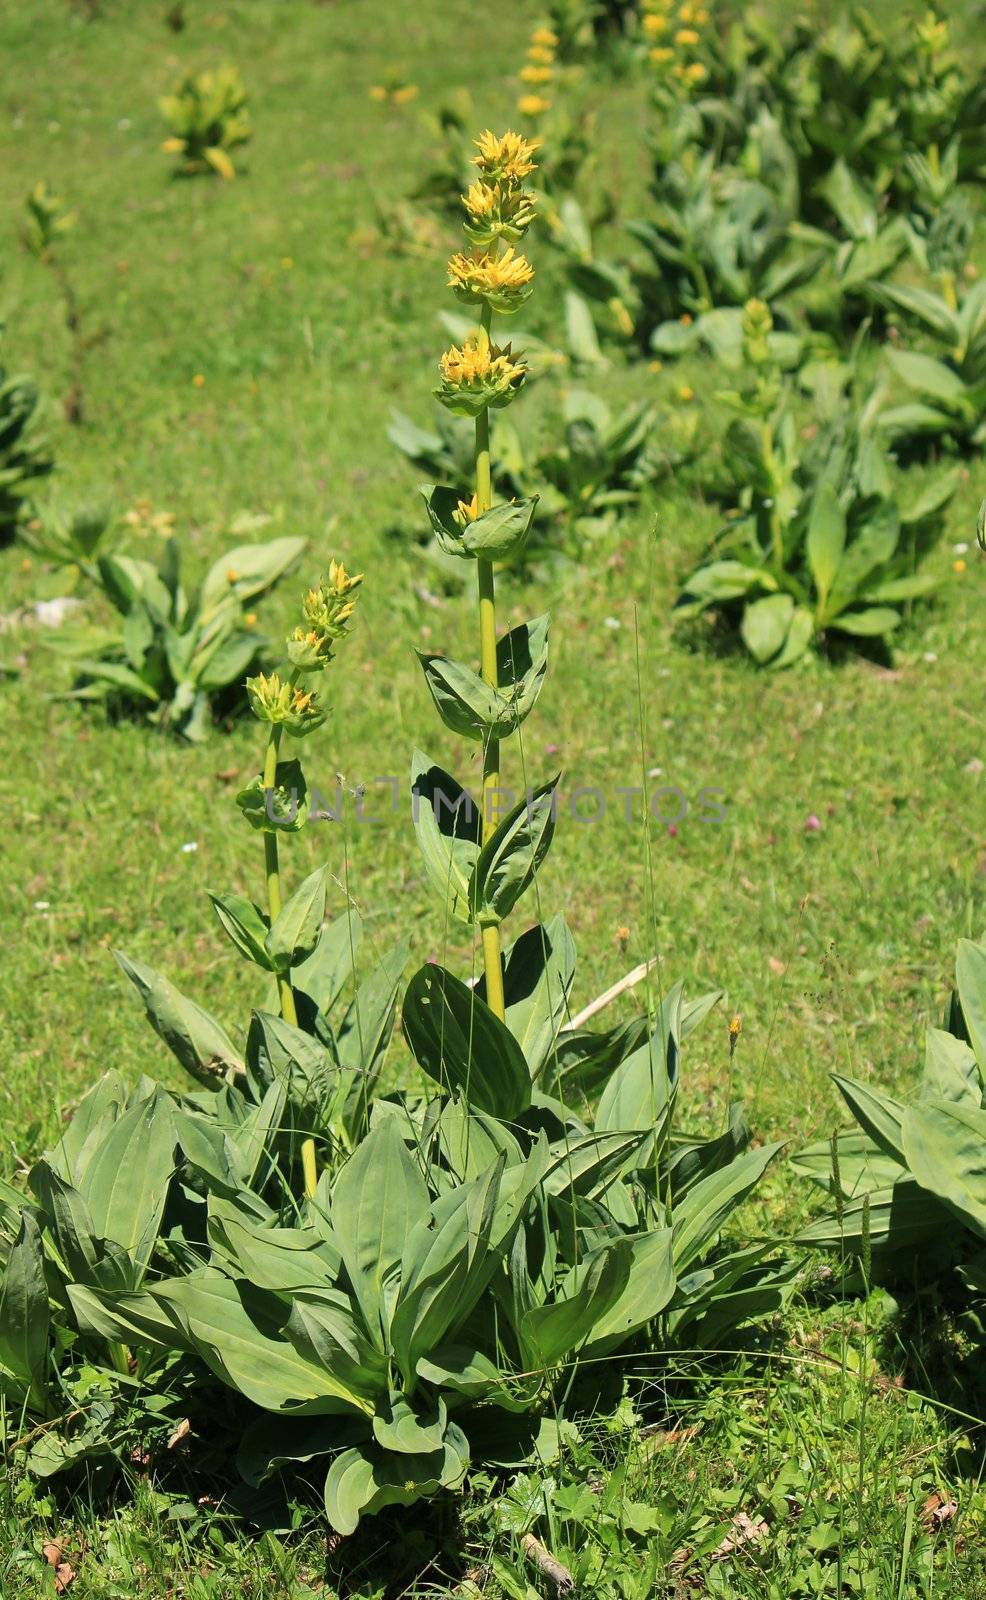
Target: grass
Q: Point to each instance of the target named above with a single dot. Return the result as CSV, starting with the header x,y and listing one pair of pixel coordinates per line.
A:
x,y
835,943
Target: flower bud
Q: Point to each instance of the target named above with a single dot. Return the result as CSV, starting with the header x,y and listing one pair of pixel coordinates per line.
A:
x,y
275,701
503,282
478,375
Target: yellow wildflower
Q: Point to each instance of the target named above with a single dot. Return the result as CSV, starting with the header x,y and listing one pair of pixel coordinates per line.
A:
x,y
466,511
696,72
654,24
686,393
541,53
686,36
232,576
503,281
250,620
958,566
532,74
198,380
662,55
407,92
546,37
533,105
510,156
378,92
479,374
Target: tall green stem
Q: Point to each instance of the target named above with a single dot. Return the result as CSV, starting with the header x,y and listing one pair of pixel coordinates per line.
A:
x,y
487,648
285,992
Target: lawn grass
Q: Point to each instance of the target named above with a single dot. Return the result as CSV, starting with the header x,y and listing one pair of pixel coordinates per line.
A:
x,y
835,943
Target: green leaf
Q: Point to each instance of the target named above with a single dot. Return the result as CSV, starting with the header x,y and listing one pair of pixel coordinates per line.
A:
x,y
295,930
638,1098
191,1034
126,1184
326,971
367,1479
401,1428
648,1290
24,1313
364,1035
945,1149
930,377
447,824
871,623
826,538
700,1217
234,1329
585,1300
580,332
509,860
469,706
248,570
499,534
951,1071
285,808
850,200
469,1372
970,978
459,1042
877,1113
539,971
377,1198
765,625
246,925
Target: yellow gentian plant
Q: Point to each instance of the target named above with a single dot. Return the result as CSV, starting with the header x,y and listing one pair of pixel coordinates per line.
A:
x,y
483,868
276,800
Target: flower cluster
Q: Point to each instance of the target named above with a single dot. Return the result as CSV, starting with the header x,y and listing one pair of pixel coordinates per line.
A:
x,y
674,38
479,374
326,611
503,282
537,74
284,703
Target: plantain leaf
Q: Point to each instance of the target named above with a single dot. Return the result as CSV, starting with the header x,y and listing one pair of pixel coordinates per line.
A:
x,y
945,1149
377,1199
24,1313
246,925
510,858
295,930
585,1300
970,978
197,1039
447,825
459,1042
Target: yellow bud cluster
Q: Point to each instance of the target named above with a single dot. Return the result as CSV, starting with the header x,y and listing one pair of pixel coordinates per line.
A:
x,y
537,73
326,611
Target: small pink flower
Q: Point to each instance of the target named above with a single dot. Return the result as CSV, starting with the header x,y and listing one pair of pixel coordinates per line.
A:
x,y
812,823
672,831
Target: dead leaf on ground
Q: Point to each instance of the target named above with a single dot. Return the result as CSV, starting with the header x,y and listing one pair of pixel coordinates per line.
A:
x,y
777,967
182,1431
65,1575
937,1511
746,1530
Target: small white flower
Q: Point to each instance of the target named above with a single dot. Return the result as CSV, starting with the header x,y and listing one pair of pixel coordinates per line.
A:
x,y
612,622
960,548
42,905
929,656
187,849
